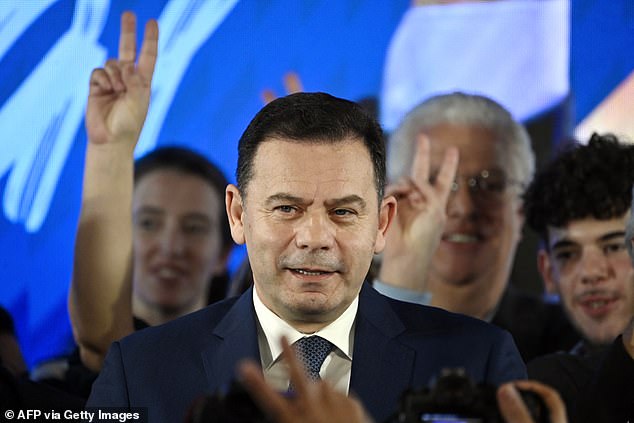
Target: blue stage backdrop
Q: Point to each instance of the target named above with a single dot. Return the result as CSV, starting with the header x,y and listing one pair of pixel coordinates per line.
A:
x,y
216,57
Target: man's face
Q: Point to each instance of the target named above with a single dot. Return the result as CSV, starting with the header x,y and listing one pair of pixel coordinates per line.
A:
x,y
483,228
588,266
176,240
311,224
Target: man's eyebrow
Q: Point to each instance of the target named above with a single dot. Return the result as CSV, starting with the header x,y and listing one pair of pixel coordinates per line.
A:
x,y
349,199
563,243
198,216
282,197
155,211
612,235
148,210
335,202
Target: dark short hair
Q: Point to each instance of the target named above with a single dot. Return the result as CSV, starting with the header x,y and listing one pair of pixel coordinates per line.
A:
x,y
582,181
311,118
189,162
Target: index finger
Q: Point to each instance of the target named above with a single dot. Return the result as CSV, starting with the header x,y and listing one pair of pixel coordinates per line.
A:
x,y
149,50
292,83
127,37
420,165
297,374
270,401
447,173
511,406
552,399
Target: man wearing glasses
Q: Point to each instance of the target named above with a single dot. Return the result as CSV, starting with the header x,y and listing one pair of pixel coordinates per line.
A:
x,y
458,254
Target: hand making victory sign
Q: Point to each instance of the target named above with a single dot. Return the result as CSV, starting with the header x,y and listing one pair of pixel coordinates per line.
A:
x,y
120,91
100,295
420,218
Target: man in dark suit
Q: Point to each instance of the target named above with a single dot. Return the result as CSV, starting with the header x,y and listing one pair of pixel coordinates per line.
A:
x,y
309,205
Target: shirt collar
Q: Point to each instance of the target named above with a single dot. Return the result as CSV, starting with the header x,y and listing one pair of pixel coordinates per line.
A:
x,y
337,332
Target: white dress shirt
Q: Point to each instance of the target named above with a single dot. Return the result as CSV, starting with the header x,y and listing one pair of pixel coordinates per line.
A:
x,y
336,367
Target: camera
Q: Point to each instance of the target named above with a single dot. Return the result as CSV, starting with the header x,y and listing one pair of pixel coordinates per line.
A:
x,y
455,398
233,405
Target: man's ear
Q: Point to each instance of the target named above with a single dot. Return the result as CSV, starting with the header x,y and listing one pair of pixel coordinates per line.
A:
x,y
521,219
235,212
545,267
387,212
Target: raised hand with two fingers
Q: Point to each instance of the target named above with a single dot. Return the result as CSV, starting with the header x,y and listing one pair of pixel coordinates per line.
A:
x,y
421,215
100,296
120,91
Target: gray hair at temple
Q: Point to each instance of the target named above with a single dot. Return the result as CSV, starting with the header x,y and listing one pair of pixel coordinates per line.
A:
x,y
462,109
629,230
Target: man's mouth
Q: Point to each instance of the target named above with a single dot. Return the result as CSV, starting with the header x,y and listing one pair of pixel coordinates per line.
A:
x,y
168,272
461,238
310,272
597,306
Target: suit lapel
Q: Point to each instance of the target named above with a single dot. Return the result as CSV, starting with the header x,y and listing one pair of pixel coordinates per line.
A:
x,y
381,366
233,339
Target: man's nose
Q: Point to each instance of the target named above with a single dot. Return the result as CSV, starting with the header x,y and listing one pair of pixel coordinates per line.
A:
x,y
315,232
172,241
594,266
461,201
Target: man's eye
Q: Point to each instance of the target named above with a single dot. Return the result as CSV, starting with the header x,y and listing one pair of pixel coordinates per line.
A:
x,y
285,209
613,248
491,184
147,223
343,212
564,256
196,228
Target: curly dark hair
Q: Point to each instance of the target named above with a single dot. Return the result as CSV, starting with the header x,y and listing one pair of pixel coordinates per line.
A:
x,y
593,180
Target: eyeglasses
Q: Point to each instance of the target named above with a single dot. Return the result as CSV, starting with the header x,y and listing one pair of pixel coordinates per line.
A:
x,y
487,185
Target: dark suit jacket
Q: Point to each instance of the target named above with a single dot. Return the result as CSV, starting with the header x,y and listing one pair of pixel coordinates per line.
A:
x,y
397,345
596,387
538,327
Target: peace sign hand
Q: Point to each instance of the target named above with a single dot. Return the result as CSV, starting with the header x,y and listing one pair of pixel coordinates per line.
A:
x,y
421,215
120,91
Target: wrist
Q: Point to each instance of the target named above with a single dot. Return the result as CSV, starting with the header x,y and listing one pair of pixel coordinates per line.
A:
x,y
108,174
402,276
403,273
402,294
121,145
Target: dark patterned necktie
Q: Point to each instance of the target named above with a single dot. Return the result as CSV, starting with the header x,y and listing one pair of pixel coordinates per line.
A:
x,y
312,351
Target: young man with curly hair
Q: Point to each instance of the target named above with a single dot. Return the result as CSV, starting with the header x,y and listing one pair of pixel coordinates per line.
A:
x,y
580,205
